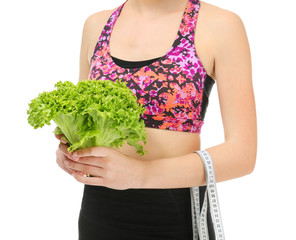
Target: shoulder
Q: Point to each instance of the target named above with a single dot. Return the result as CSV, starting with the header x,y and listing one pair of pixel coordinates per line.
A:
x,y
220,23
223,29
219,19
96,21
92,28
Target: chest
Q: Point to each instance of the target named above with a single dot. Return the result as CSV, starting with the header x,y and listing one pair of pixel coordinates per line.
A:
x,y
171,89
136,40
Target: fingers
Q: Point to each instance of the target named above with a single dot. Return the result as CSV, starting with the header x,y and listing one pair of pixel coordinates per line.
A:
x,y
62,156
84,168
95,161
102,162
60,161
94,151
61,137
70,165
63,148
95,181
90,165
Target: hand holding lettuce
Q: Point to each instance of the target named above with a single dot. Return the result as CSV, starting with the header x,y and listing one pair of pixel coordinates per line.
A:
x,y
91,113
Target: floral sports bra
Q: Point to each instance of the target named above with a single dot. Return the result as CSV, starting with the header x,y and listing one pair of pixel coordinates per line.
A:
x,y
174,88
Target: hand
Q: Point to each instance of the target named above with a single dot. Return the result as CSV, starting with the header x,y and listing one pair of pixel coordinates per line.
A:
x,y
59,137
108,166
60,156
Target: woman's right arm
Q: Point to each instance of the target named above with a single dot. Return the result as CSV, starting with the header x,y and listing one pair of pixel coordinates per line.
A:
x,y
92,29
83,61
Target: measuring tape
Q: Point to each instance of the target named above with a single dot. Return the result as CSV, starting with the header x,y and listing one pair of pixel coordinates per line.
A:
x,y
199,220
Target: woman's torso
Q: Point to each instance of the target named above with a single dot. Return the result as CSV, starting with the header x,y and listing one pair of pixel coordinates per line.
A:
x,y
136,38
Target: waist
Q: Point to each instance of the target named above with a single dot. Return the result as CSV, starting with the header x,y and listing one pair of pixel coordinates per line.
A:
x,y
164,144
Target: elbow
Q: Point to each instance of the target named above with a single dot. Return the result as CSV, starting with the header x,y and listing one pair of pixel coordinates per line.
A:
x,y
252,156
252,166
246,152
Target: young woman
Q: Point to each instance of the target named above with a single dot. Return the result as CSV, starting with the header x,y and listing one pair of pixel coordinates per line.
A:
x,y
170,53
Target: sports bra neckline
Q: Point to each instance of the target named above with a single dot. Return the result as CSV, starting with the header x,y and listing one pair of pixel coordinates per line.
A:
x,y
175,43
140,61
133,64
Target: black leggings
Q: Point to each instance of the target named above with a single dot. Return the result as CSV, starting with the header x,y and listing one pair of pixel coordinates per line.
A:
x,y
137,214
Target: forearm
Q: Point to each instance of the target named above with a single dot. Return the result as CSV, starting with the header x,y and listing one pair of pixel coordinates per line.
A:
x,y
230,160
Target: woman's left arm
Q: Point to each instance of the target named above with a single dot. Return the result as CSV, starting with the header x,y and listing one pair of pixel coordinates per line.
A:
x,y
236,156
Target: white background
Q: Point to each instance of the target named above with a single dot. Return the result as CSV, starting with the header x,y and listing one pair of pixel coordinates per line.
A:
x,y
40,44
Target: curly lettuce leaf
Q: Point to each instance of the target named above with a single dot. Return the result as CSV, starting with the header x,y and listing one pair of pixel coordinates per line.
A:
x,y
91,113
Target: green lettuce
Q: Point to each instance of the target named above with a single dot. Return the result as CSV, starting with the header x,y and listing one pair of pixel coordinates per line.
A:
x,y
91,113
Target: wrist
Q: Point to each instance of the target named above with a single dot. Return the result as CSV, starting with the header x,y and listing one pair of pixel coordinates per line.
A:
x,y
144,172
151,174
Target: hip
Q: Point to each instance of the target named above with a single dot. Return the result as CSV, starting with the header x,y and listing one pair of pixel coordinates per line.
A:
x,y
142,211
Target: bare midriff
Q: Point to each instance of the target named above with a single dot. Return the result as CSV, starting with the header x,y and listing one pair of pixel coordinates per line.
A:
x,y
164,144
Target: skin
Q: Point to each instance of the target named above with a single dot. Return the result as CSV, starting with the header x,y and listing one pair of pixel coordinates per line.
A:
x,y
222,46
